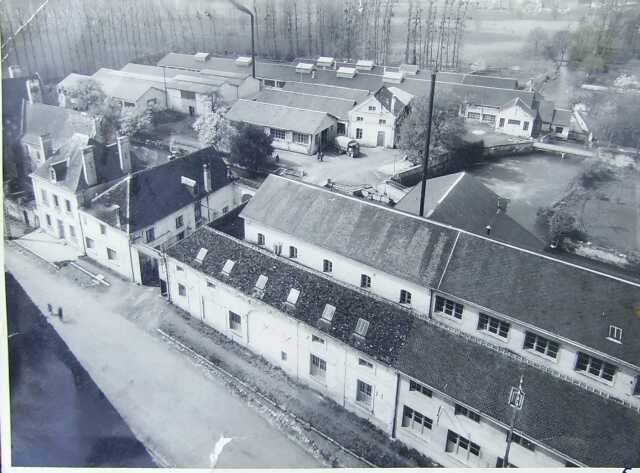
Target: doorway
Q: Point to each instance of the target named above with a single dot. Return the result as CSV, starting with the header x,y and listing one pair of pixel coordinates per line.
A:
x,y
192,110
380,141
26,218
149,273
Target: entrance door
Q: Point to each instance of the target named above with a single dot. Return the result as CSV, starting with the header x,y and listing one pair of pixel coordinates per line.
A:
x,y
192,110
323,138
26,217
380,138
60,229
149,272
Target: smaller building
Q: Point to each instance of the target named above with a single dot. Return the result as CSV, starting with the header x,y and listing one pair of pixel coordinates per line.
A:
x,y
554,121
516,118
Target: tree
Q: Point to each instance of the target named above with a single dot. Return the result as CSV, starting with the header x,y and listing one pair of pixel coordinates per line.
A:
x,y
133,121
614,116
536,40
214,129
87,96
251,147
447,128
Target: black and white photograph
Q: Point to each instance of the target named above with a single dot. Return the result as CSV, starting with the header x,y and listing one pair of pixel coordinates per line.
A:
x,y
290,234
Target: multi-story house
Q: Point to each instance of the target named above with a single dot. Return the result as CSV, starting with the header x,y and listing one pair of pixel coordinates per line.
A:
x,y
413,377
126,226
70,177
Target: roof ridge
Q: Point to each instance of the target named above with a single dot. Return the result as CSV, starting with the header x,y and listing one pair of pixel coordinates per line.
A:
x,y
286,106
282,91
448,191
460,230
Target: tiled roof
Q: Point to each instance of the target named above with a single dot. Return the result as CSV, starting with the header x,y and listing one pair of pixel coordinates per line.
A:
x,y
389,324
557,414
67,161
409,248
573,303
279,116
464,202
337,107
61,123
153,193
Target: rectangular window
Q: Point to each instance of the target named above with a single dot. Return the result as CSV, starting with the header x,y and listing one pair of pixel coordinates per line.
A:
x,y
179,268
283,355
225,209
513,122
501,123
474,115
615,333
421,388
129,104
449,307
197,211
358,133
260,239
280,84
56,202
278,134
182,290
488,118
45,199
636,390
293,252
103,229
363,362
179,221
595,367
180,236
540,345
269,83
318,367
235,321
493,325
364,393
67,205
72,231
187,94
300,138
525,126
327,266
456,442
405,297
463,411
415,421
365,281
359,119
559,129
316,339
150,235
111,254
382,122
48,217
515,438
372,108
90,243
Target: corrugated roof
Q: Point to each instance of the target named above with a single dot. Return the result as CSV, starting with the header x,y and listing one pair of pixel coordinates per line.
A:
x,y
337,107
278,116
406,247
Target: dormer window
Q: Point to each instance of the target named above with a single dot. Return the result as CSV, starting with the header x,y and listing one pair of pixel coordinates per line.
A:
x,y
52,174
362,327
615,334
228,267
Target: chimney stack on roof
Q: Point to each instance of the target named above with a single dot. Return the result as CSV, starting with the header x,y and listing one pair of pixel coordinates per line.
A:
x,y
46,146
34,90
89,166
206,176
15,71
124,153
488,229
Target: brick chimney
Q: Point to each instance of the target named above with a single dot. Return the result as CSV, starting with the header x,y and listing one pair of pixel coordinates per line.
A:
x,y
15,71
206,177
124,153
89,166
34,90
46,146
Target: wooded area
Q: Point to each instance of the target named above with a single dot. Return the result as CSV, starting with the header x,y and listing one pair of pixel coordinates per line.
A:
x,y
82,36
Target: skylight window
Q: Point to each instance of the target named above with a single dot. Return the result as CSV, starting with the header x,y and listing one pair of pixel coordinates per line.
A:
x,y
362,327
201,255
228,266
327,313
292,298
261,282
615,334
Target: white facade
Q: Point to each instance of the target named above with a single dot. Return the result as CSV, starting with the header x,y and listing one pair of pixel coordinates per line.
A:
x,y
298,142
515,121
195,103
371,124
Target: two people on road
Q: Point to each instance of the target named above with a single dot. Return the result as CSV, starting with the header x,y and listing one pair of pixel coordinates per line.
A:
x,y
320,155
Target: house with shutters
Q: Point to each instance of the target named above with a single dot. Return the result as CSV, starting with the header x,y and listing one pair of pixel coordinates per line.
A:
x,y
127,225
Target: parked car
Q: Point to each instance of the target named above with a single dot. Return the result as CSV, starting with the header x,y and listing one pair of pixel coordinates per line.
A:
x,y
344,144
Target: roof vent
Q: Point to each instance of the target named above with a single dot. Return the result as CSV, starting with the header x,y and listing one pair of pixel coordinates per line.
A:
x,y
228,267
327,313
364,65
325,62
304,68
244,61
201,57
292,298
346,72
393,77
409,69
361,328
201,255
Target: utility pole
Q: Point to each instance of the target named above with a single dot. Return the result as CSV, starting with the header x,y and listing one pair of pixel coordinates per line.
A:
x,y
425,162
516,400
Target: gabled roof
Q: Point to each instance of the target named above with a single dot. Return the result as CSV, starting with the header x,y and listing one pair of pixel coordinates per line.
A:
x,y
462,201
337,107
406,247
385,97
151,194
518,102
61,123
562,117
279,116
67,161
124,86
573,303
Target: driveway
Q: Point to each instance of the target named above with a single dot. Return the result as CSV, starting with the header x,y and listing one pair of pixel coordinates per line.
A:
x,y
169,402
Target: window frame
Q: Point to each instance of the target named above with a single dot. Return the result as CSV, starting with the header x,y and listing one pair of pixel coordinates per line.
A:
x,y
405,297
261,239
235,321
179,221
182,290
533,341
514,122
359,133
364,398
448,307
112,254
591,364
276,134
327,266
523,442
365,281
103,229
316,366
410,420
150,234
493,326
90,243
460,410
300,138
415,386
293,252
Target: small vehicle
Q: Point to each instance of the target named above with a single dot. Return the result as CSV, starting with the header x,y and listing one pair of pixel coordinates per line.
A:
x,y
351,147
